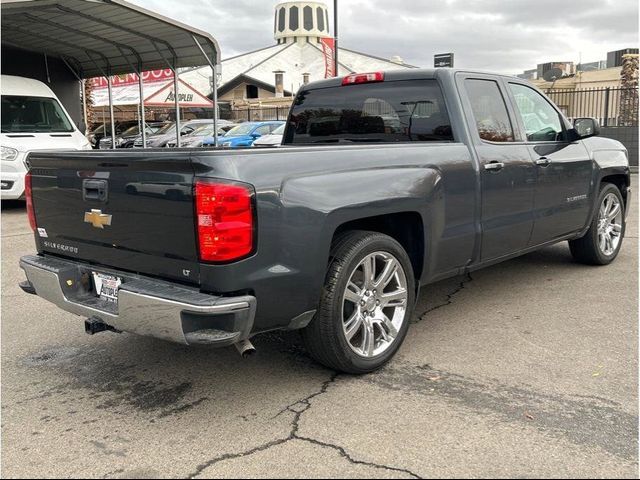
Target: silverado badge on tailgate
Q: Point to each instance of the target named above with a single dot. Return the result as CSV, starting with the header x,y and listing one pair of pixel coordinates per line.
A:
x,y
97,218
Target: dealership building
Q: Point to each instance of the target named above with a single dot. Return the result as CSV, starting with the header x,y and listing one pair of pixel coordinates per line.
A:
x,y
301,52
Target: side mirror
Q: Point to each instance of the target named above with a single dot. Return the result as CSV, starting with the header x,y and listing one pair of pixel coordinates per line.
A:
x,y
586,127
256,135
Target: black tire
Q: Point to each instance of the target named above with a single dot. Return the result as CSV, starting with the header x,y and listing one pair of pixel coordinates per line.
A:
x,y
586,249
324,337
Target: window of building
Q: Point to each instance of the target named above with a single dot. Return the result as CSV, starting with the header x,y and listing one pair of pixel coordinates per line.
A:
x,y
308,17
294,18
489,110
320,14
252,91
281,21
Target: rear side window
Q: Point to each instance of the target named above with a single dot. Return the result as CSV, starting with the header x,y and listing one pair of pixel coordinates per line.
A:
x,y
489,110
384,112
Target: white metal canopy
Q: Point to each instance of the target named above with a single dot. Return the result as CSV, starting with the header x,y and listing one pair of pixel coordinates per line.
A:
x,y
97,38
105,37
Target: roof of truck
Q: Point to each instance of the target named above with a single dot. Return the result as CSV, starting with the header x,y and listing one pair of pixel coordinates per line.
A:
x,y
12,85
409,74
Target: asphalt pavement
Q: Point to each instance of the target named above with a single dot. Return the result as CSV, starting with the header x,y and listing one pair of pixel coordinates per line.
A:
x,y
525,369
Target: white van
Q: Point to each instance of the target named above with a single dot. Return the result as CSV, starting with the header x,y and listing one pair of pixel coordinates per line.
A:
x,y
32,119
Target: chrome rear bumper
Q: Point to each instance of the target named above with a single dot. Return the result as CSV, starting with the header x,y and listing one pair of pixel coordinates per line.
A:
x,y
145,306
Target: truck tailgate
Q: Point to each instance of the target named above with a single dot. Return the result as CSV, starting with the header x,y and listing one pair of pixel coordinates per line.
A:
x,y
125,210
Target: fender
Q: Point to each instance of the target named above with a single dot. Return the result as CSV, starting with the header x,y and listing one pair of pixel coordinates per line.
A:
x,y
609,158
320,203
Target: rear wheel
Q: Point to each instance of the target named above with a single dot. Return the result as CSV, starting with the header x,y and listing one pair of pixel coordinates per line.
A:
x,y
602,242
366,304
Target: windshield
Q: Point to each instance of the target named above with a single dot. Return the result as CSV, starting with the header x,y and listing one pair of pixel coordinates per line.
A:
x,y
33,114
169,127
279,130
132,131
243,129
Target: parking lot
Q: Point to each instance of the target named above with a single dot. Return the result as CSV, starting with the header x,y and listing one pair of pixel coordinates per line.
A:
x,y
525,369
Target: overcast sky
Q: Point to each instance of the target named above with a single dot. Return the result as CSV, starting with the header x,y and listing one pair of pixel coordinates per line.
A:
x,y
500,35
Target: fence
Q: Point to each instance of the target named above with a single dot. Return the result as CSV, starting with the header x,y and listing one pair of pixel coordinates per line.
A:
x,y
612,106
255,114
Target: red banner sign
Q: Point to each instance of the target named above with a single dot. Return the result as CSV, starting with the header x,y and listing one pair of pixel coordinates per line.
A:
x,y
132,78
328,48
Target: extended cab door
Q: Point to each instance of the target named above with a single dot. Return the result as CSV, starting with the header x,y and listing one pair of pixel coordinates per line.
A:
x,y
507,173
564,168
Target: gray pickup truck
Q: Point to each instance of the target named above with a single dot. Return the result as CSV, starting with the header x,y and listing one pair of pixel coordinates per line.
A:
x,y
386,182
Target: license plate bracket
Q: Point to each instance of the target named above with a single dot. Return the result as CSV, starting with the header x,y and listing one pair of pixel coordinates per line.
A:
x,y
106,286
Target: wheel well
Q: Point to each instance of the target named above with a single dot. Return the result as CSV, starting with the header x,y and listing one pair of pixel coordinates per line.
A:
x,y
405,227
619,181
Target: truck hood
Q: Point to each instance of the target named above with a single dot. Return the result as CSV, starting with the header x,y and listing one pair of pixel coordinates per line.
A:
x,y
28,142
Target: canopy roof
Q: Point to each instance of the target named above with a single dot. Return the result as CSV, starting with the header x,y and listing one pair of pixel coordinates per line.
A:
x,y
104,37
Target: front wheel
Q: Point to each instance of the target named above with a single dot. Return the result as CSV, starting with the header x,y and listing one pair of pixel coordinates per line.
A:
x,y
366,304
602,242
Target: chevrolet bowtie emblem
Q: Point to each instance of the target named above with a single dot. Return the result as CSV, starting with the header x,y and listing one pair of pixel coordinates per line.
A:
x,y
97,218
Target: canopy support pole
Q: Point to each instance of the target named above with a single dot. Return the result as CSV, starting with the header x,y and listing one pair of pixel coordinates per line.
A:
x,y
108,75
177,103
84,94
214,90
113,124
143,122
216,113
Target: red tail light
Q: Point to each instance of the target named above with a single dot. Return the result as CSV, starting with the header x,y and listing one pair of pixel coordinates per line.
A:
x,y
224,220
357,78
29,196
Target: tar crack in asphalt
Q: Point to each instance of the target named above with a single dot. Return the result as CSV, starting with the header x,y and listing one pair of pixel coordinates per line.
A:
x,y
297,409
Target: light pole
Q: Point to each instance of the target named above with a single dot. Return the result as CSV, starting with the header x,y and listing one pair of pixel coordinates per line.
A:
x,y
335,37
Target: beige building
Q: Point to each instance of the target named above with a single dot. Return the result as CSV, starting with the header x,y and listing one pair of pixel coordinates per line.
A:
x,y
608,77
587,94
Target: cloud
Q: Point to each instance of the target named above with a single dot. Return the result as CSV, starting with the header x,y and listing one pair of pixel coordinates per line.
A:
x,y
498,35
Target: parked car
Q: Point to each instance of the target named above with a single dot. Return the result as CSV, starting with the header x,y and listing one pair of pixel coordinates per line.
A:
x,y
335,232
195,138
130,135
104,131
245,134
32,119
274,139
169,134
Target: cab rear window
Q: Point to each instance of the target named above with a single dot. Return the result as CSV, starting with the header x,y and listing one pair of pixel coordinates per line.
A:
x,y
384,112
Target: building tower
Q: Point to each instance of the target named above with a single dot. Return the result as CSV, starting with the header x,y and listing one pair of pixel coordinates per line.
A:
x,y
301,22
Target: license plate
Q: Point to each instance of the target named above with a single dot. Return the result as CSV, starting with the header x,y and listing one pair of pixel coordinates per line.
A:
x,y
106,286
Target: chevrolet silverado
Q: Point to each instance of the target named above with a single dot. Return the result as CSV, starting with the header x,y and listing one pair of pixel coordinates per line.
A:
x,y
385,182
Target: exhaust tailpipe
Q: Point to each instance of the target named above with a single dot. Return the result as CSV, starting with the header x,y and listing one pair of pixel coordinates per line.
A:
x,y
245,348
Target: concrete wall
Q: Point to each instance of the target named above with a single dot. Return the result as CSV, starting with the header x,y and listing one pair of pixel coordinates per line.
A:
x,y
629,138
32,65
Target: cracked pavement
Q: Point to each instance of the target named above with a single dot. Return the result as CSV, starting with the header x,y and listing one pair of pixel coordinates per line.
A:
x,y
525,369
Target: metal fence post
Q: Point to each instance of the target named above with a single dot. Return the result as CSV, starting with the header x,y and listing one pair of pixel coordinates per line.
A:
x,y
606,106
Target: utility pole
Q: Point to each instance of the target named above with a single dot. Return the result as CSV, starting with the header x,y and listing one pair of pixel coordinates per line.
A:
x,y
335,37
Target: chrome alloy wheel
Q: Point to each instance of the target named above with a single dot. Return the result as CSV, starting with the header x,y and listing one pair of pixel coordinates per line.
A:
x,y
609,224
374,304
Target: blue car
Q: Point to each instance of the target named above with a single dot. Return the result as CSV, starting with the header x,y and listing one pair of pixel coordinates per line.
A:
x,y
244,134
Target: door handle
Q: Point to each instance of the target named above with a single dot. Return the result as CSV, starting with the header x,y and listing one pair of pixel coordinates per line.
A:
x,y
494,166
543,162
